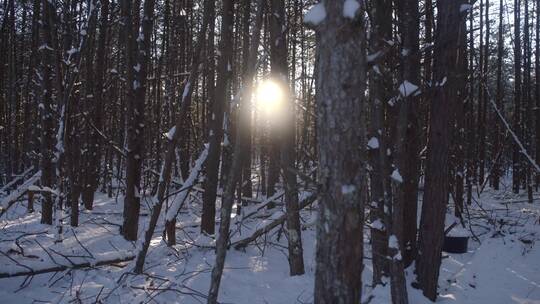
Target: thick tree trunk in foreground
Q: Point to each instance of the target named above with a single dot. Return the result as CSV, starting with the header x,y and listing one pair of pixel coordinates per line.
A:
x,y
341,81
450,23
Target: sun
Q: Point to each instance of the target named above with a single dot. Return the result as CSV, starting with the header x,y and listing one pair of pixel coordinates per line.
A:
x,y
270,97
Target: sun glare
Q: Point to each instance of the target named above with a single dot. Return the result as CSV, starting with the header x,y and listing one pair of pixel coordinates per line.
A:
x,y
270,96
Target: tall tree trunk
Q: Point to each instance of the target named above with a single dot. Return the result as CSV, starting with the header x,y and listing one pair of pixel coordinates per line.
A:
x,y
380,87
496,174
138,59
247,184
537,89
93,155
278,67
516,154
134,158
408,140
450,23
235,171
47,128
528,107
471,134
482,93
341,80
216,124
168,162
286,136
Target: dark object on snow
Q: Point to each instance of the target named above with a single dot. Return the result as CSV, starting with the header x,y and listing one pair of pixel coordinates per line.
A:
x,y
455,244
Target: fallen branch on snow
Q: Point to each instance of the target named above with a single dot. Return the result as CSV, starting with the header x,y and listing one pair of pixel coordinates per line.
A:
x,y
115,258
267,228
16,194
16,180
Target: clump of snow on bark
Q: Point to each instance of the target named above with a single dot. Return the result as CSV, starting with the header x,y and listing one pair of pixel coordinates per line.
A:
x,y
350,7
373,143
348,189
373,57
171,132
396,176
393,242
407,88
465,7
377,224
315,15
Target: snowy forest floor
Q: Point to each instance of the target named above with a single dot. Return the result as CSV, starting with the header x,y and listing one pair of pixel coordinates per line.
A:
x,y
502,265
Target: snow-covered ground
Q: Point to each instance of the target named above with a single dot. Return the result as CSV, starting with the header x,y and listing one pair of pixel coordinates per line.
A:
x,y
502,266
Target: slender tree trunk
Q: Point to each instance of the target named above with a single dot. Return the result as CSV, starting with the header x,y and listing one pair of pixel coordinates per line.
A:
x,y
134,116
168,162
516,154
482,109
471,134
450,23
408,140
380,87
537,89
96,113
528,103
247,184
496,174
47,128
285,136
216,124
278,67
235,171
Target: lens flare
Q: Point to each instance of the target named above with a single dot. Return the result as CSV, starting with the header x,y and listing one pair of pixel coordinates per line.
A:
x,y
270,97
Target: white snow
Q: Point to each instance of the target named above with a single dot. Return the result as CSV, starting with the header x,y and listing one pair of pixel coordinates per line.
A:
x,y
377,224
316,14
170,134
72,51
4,203
407,88
465,7
405,52
373,143
500,268
373,57
396,176
348,189
186,187
186,91
377,70
350,8
393,242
